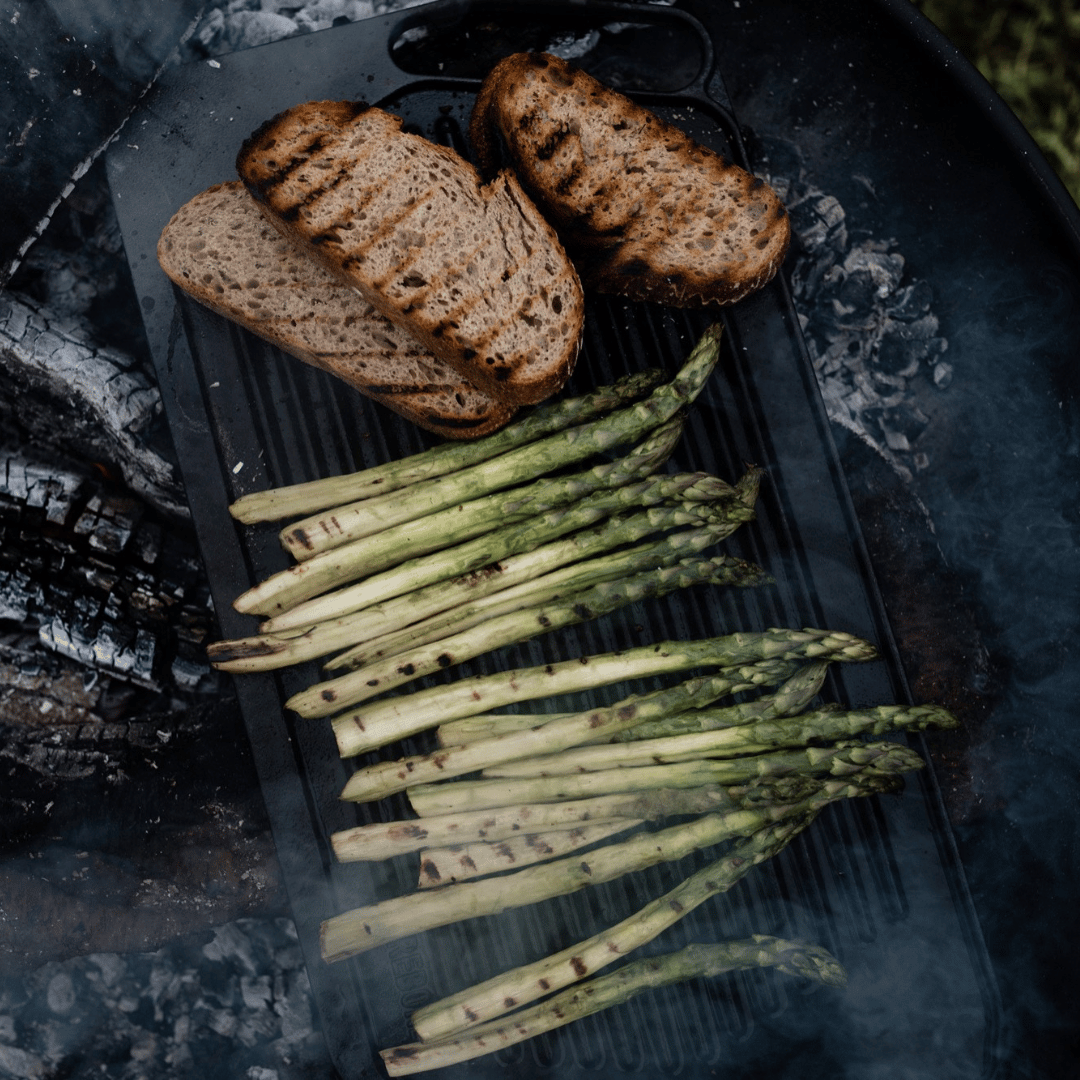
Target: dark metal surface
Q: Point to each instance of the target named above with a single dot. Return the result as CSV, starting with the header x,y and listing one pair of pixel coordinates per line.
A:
x,y
881,884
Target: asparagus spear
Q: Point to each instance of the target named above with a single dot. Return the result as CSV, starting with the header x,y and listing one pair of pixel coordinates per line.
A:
x,y
837,760
519,986
790,699
365,928
305,498
821,725
691,962
461,522
800,685
462,862
386,840
274,649
398,717
471,511
519,465
326,697
559,585
386,777
694,492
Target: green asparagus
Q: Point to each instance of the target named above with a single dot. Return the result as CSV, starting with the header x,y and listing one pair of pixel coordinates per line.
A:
x,y
305,498
691,962
559,585
386,777
789,699
522,985
517,466
379,723
380,840
463,862
819,726
694,493
837,760
327,697
463,521
365,928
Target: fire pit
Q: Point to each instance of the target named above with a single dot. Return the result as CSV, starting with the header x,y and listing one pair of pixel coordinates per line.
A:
x,y
907,389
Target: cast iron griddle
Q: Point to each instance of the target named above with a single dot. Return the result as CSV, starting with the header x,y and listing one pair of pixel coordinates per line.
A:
x,y
877,881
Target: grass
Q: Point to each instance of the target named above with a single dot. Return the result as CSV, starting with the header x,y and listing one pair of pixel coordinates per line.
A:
x,y
1029,51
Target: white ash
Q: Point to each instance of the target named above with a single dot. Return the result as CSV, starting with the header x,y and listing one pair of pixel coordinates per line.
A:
x,y
236,1006
868,325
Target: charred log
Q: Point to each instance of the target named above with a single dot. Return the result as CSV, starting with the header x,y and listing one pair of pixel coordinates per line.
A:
x,y
64,391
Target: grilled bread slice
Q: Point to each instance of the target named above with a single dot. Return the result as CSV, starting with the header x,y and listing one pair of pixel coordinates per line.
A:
x,y
643,210
220,249
471,270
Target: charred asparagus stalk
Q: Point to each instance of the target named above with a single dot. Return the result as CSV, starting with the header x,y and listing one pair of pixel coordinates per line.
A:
x,y
270,650
819,726
368,927
384,778
605,991
463,521
519,986
790,699
560,585
386,841
692,492
515,467
327,697
382,722
443,459
463,862
837,760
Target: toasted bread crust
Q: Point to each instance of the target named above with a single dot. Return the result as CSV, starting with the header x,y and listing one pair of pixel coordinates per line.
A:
x,y
220,249
471,270
643,209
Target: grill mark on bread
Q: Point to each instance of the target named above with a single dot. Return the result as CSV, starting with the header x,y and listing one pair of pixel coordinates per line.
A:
x,y
644,210
455,306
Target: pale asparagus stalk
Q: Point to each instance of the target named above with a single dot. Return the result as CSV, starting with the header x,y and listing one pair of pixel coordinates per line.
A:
x,y
801,684
391,546
387,777
605,991
484,725
329,696
837,760
387,840
463,862
821,725
517,466
688,490
521,985
294,500
382,722
365,928
559,585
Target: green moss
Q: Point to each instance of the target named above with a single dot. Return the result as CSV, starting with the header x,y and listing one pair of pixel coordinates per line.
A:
x,y
1029,51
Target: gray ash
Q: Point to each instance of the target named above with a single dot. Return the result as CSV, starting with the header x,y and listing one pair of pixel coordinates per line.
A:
x,y
869,327
237,1005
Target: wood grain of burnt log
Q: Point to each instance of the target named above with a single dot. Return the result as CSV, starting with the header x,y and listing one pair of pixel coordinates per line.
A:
x,y
64,390
130,813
